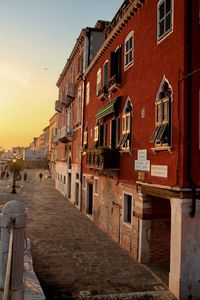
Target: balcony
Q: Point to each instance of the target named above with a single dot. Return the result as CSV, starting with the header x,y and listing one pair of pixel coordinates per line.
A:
x,y
65,134
114,83
58,106
103,93
103,159
69,94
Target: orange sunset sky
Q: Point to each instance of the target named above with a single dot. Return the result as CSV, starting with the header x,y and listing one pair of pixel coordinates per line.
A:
x,y
36,38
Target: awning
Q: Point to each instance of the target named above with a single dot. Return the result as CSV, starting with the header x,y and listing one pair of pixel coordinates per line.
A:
x,y
108,109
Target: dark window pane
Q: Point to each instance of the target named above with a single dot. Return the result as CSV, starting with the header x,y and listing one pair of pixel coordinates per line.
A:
x,y
127,46
161,28
168,6
161,11
127,59
131,42
129,209
168,22
105,74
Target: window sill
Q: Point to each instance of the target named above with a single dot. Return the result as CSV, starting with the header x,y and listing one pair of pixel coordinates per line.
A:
x,y
127,224
162,148
126,67
125,151
164,36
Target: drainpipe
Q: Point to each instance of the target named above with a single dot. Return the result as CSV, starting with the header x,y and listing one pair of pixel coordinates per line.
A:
x,y
82,133
188,59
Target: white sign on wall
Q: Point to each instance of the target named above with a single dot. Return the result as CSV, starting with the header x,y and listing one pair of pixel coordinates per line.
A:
x,y
142,165
142,155
159,171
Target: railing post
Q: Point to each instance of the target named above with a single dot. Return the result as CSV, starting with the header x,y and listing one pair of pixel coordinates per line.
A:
x,y
4,242
15,212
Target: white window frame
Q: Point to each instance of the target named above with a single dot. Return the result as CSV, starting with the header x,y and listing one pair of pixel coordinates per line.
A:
x,y
166,33
96,133
129,52
125,209
87,93
85,136
98,81
126,123
96,185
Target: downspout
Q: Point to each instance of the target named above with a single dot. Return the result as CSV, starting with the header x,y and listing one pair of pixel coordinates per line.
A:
x,y
81,162
188,59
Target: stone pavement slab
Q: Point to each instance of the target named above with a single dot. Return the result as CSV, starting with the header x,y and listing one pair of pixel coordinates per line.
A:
x,y
72,258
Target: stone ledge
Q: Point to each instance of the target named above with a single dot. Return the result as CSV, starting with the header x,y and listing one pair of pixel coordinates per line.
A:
x,y
32,288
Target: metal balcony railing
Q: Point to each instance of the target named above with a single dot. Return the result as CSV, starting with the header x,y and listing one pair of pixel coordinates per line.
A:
x,y
103,93
103,158
65,134
114,83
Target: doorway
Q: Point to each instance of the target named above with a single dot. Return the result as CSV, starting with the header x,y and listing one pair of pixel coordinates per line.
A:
x,y
89,206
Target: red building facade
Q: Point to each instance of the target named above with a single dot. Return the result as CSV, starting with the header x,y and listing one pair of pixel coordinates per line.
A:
x,y
141,136
128,137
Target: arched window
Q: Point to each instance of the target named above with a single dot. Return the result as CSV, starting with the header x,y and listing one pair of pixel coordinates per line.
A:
x,y
125,140
162,132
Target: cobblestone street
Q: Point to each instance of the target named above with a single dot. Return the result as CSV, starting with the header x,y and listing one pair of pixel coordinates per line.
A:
x,y
71,256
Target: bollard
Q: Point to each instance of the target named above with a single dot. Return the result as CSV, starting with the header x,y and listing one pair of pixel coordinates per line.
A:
x,y
14,215
4,242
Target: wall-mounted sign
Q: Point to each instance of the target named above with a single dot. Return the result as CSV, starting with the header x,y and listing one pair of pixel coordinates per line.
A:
x,y
142,165
159,171
142,154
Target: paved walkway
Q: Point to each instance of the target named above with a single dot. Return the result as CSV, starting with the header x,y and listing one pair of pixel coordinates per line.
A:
x,y
72,258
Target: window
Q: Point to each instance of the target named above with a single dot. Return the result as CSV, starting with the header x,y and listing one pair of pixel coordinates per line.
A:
x,y
128,50
96,133
127,208
64,180
161,135
105,74
114,132
96,186
125,140
103,134
80,64
87,93
115,67
85,137
98,81
164,18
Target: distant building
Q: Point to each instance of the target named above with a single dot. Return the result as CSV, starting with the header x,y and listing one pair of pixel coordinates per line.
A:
x,y
52,144
70,107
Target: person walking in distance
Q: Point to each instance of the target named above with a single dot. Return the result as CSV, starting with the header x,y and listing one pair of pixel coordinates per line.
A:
x,y
25,176
40,176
